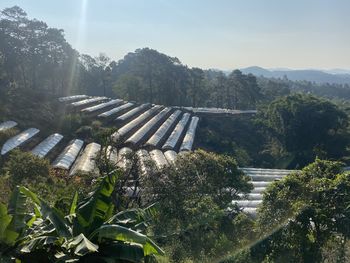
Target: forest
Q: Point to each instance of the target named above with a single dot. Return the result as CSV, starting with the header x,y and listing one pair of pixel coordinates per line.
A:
x,y
186,212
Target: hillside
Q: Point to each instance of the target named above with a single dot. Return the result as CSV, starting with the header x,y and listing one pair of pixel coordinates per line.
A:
x,y
317,76
146,159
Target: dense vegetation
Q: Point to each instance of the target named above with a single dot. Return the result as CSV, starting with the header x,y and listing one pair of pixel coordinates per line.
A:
x,y
186,208
90,232
303,218
339,92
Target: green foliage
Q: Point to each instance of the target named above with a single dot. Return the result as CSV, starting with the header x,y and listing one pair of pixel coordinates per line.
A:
x,y
193,198
22,105
97,208
14,220
38,65
23,166
129,87
304,218
35,56
242,256
88,233
154,77
26,169
71,123
5,188
149,76
238,137
273,88
306,127
242,91
303,212
7,134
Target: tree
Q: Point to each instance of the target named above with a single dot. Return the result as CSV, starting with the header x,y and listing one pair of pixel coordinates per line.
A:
x,y
242,91
306,127
220,90
25,166
193,198
36,56
160,77
129,87
197,86
304,212
272,89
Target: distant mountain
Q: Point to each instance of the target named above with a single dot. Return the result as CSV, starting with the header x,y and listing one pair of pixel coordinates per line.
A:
x,y
337,71
332,76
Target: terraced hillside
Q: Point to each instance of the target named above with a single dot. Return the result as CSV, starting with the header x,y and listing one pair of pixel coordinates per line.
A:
x,y
153,132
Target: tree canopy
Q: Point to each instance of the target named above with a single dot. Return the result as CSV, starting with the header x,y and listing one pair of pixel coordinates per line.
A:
x,y
306,127
310,209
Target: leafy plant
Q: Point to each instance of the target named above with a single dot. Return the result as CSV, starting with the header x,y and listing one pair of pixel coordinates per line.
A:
x,y
88,233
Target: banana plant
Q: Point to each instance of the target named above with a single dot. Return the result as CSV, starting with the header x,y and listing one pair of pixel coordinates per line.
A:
x,y
90,232
14,221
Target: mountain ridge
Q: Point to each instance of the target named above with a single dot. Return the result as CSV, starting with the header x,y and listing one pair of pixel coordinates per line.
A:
x,y
338,76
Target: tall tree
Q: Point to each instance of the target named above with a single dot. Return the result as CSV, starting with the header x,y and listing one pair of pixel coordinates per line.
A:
x,y
34,55
307,127
196,88
304,212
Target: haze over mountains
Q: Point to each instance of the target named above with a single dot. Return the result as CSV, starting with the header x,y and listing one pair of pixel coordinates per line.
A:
x,y
339,76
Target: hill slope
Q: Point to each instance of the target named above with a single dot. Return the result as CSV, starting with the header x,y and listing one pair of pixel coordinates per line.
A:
x,y
317,76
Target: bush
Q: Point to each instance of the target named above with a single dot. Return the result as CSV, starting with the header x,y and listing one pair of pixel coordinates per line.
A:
x,y
25,166
304,212
7,134
193,198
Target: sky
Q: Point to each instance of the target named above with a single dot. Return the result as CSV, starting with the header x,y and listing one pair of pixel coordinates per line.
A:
x,y
220,34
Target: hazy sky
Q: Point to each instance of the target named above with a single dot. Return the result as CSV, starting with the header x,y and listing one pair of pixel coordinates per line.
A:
x,y
223,34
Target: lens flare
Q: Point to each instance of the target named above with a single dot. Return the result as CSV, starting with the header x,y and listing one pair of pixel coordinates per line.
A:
x,y
79,45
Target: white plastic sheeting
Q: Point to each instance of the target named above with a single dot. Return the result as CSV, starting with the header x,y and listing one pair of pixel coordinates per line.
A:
x,y
250,210
159,159
132,112
7,125
175,135
219,111
187,143
124,158
252,196
163,129
170,155
258,190
69,154
102,105
87,101
268,178
74,97
134,123
248,203
266,170
86,162
147,127
43,148
116,110
260,178
17,140
258,174
260,183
